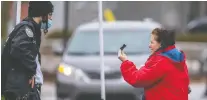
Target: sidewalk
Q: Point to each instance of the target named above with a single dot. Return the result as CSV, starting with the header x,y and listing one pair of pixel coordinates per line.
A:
x,y
197,91
49,91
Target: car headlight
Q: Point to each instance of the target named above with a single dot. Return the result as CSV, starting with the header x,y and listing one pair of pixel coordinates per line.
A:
x,y
65,69
72,72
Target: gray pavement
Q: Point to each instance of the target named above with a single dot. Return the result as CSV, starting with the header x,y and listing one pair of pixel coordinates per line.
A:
x,y
49,93
197,91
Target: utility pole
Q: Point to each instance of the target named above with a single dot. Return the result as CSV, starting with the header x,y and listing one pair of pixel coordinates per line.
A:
x,y
66,23
101,44
17,12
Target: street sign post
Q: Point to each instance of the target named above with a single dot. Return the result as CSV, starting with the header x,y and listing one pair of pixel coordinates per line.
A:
x,y
18,12
101,44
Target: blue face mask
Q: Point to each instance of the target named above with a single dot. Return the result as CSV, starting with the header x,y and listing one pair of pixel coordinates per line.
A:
x,y
49,24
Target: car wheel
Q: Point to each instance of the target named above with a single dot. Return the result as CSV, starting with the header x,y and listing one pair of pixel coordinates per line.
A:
x,y
60,98
205,67
201,71
59,95
64,99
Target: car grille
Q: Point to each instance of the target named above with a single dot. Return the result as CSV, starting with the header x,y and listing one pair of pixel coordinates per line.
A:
x,y
96,75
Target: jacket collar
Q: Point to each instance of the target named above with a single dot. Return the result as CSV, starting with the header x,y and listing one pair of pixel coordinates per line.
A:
x,y
36,25
165,49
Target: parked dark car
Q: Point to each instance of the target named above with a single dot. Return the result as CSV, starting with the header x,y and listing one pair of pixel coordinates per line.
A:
x,y
203,62
198,25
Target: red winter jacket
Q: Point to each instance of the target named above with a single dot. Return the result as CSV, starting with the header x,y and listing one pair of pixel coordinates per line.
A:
x,y
164,75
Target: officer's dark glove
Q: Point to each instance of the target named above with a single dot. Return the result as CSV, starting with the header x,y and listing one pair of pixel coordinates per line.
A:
x,y
189,90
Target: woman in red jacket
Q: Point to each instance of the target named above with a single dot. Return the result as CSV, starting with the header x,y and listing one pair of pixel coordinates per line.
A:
x,y
164,75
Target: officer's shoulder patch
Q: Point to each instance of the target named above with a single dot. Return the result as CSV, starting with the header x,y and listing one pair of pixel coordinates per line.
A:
x,y
29,32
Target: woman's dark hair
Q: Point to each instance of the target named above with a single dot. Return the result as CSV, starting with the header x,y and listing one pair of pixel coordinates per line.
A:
x,y
39,8
165,37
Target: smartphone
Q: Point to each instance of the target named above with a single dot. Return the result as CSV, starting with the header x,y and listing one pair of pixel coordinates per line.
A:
x,y
123,46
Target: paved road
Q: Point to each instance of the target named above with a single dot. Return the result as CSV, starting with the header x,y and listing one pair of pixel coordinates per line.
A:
x,y
48,91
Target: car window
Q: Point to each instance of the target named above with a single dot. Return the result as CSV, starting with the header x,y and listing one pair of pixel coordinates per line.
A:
x,y
87,42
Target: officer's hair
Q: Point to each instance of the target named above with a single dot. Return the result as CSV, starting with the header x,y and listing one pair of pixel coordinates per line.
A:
x,y
163,36
39,8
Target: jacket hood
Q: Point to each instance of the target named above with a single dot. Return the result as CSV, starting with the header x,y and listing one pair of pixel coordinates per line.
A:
x,y
174,54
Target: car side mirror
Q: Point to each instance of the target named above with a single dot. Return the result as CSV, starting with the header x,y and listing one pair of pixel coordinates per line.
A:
x,y
57,49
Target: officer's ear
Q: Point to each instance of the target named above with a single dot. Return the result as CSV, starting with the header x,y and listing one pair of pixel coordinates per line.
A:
x,y
45,20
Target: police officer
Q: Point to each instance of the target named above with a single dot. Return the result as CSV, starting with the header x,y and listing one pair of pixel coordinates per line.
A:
x,y
21,57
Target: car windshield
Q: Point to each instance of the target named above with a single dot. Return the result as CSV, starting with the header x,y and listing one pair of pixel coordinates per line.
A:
x,y
87,42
